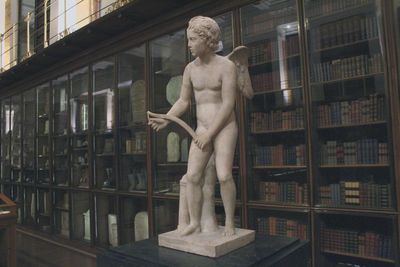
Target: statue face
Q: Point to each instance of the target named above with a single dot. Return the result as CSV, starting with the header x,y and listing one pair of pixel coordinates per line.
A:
x,y
196,44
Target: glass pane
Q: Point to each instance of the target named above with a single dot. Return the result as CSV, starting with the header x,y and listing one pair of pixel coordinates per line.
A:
x,y
61,212
60,131
165,215
79,123
16,114
134,220
44,210
275,117
29,217
81,229
106,221
29,126
132,120
167,65
43,135
5,140
104,124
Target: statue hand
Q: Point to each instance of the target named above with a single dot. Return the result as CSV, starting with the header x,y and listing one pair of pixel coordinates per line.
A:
x,y
157,123
202,140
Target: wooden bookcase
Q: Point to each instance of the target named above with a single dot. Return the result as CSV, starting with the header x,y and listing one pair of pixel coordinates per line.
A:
x,y
315,157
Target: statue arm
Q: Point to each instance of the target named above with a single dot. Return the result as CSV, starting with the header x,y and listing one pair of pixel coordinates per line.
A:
x,y
183,103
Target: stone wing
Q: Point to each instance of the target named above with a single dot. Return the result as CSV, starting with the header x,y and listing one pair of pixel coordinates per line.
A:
x,y
239,56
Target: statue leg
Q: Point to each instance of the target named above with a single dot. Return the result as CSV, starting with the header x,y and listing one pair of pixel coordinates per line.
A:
x,y
197,163
224,147
183,218
208,219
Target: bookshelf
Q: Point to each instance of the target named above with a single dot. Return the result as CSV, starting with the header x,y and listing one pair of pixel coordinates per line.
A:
x,y
315,155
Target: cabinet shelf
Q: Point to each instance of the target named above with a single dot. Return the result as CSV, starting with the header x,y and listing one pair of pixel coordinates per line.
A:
x,y
347,79
105,155
276,90
133,126
373,123
280,167
346,45
278,131
60,136
134,154
358,256
333,15
380,165
282,205
354,208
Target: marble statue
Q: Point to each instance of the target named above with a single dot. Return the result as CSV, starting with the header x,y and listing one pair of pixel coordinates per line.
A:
x,y
213,80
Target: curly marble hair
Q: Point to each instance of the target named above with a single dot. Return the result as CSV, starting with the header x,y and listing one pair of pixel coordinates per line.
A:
x,y
207,29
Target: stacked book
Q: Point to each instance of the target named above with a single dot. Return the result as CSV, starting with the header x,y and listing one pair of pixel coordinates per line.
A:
x,y
364,110
368,243
363,194
268,51
284,192
277,120
345,31
271,81
346,68
279,155
364,151
319,7
281,227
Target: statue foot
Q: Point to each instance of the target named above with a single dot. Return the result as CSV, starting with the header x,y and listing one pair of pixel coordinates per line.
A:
x,y
181,227
192,228
229,231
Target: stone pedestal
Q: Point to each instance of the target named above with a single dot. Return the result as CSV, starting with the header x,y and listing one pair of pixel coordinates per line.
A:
x,y
207,244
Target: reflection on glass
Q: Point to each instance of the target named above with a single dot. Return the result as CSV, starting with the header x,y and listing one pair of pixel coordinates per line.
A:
x,y
15,118
171,144
42,133
132,120
79,123
81,226
106,221
60,131
29,207
61,213
5,140
276,116
103,124
43,210
29,122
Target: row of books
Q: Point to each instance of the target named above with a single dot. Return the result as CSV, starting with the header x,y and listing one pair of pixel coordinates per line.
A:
x,y
363,194
279,155
363,110
277,120
345,31
281,227
343,68
324,7
367,243
267,21
269,50
284,192
364,151
269,81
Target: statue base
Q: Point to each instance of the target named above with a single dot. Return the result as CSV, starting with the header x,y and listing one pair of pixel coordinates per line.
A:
x,y
212,244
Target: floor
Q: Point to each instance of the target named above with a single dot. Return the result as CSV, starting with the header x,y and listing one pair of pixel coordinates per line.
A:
x,y
33,252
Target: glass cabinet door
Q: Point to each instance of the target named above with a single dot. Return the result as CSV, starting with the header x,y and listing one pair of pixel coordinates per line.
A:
x,y
350,122
16,114
5,140
60,131
134,220
104,124
168,60
43,134
79,123
132,91
275,116
106,220
61,213
81,216
29,126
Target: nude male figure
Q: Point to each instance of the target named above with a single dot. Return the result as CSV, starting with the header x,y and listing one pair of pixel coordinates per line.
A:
x,y
211,79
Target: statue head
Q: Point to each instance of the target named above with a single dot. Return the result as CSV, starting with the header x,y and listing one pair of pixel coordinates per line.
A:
x,y
207,29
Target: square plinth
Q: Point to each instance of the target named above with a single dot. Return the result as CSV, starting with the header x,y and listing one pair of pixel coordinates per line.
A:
x,y
213,244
